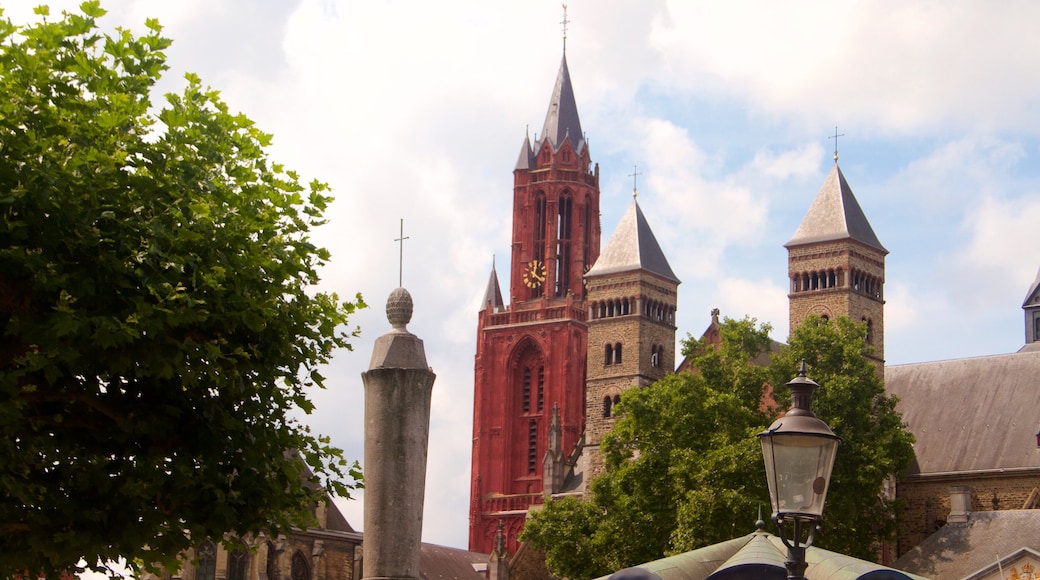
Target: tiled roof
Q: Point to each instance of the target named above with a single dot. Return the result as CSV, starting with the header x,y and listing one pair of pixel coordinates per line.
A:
x,y
633,247
960,550
835,215
970,414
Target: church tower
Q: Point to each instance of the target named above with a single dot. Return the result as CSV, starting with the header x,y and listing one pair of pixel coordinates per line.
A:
x,y
530,361
836,263
632,294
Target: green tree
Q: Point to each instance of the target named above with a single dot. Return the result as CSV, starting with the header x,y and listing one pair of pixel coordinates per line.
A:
x,y
159,321
684,468
875,442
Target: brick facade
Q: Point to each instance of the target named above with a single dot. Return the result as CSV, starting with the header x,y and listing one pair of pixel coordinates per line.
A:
x,y
835,278
637,311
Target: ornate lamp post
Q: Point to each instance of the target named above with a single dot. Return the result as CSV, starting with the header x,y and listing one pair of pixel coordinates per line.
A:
x,y
799,452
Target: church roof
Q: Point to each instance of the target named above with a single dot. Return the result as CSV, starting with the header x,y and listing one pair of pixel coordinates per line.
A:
x,y
493,294
835,215
561,120
970,414
632,247
968,550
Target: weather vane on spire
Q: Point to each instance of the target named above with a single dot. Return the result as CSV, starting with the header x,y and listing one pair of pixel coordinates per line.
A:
x,y
565,22
400,260
635,177
835,137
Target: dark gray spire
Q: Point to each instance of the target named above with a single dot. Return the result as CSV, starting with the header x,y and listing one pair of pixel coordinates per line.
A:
x,y
633,246
561,120
1033,296
493,295
526,159
835,215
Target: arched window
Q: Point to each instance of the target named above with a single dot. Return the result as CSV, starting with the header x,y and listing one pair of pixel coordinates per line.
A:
x,y
206,554
272,562
653,356
607,404
563,246
238,564
301,570
617,399
608,354
617,353
870,330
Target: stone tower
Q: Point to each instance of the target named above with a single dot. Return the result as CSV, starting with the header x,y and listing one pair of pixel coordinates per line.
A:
x,y
632,294
836,263
531,354
1031,306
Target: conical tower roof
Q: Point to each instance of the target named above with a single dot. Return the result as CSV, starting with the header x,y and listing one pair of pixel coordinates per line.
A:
x,y
835,215
526,158
561,120
632,247
493,294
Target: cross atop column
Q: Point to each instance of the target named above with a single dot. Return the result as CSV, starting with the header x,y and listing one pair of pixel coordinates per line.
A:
x,y
835,137
400,259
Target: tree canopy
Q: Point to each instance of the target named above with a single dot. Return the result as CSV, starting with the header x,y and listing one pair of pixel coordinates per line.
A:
x,y
160,325
684,466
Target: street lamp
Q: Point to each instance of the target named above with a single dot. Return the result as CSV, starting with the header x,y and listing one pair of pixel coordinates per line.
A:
x,y
799,452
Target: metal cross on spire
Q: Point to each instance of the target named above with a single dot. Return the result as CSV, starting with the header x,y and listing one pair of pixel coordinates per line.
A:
x,y
635,177
565,22
400,259
835,137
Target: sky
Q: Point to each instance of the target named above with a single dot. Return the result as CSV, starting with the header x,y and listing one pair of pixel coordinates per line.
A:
x,y
416,110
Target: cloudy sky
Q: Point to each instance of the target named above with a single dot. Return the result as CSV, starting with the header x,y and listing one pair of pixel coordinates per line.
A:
x,y
416,110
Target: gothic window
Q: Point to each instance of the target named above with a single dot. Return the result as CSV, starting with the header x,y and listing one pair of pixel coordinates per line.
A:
x,y
608,354
238,564
541,388
617,399
655,355
300,569
617,353
526,394
563,246
586,233
607,404
1036,328
532,446
272,562
206,554
870,330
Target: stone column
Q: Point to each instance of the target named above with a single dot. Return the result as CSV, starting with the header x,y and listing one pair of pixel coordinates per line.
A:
x,y
398,385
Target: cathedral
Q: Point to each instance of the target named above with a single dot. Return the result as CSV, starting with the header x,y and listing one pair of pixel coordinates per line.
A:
x,y
582,325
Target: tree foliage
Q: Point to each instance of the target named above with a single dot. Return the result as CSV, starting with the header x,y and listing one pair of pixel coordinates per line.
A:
x,y
159,325
684,466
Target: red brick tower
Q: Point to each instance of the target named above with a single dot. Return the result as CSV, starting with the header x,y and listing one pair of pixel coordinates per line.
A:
x,y
531,354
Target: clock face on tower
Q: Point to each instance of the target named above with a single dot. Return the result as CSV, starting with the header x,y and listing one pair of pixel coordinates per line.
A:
x,y
534,273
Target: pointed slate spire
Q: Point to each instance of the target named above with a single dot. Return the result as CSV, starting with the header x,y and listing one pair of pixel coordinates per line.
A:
x,y
493,294
633,246
561,120
526,158
835,215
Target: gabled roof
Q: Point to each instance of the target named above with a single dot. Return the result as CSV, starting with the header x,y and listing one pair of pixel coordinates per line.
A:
x,y
967,550
561,120
493,294
835,215
1034,289
633,247
970,414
